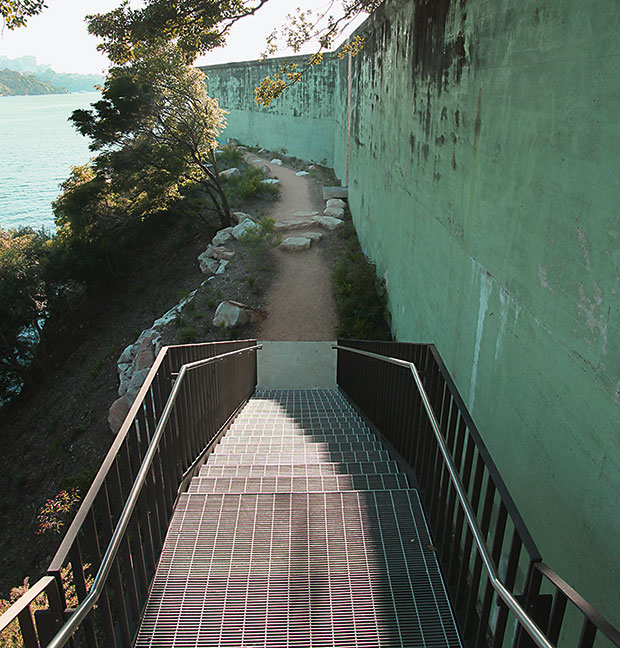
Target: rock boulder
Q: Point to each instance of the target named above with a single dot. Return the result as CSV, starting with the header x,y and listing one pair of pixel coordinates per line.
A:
x,y
239,217
220,253
231,313
336,212
145,356
222,236
208,265
118,413
295,243
329,222
230,173
336,202
246,227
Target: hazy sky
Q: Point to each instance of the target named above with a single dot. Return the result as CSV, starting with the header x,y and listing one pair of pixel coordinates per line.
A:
x,y
59,38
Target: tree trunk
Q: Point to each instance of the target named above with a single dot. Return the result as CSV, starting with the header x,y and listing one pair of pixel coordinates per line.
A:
x,y
226,218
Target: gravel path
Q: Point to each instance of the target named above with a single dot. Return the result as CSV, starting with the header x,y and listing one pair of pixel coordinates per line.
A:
x,y
300,304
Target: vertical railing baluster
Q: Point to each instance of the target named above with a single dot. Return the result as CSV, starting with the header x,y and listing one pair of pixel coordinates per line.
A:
x,y
28,631
556,618
116,581
77,567
509,580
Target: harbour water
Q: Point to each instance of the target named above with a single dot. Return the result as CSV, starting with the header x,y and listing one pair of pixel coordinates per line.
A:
x,y
38,147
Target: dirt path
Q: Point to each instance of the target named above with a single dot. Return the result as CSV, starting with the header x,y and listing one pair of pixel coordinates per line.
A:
x,y
300,304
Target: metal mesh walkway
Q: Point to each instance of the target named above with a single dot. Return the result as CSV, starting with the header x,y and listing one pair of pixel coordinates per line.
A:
x,y
299,532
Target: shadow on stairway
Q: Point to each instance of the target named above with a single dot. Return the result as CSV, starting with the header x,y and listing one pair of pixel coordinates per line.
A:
x,y
300,530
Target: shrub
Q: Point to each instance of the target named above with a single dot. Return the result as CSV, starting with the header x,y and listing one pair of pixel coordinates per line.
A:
x,y
229,157
260,241
54,514
361,302
187,335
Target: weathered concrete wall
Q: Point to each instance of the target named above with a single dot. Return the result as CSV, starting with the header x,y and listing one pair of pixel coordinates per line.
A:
x,y
303,125
484,181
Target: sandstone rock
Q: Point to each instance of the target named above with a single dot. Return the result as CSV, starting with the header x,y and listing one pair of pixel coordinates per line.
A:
x,y
294,224
230,173
295,243
256,161
124,379
221,268
231,141
336,202
208,265
123,367
246,227
220,253
231,313
239,217
146,356
276,161
302,173
336,212
118,413
263,150
128,354
137,380
305,214
270,181
328,222
222,236
313,236
242,148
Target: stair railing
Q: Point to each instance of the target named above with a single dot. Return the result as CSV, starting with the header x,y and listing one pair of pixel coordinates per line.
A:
x,y
187,401
414,403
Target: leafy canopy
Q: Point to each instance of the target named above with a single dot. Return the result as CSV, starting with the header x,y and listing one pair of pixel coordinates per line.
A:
x,y
197,26
155,128
15,12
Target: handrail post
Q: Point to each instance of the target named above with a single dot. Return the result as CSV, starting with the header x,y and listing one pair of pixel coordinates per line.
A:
x,y
478,536
169,470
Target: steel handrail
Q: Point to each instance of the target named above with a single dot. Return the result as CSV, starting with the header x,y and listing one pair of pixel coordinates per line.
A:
x,y
80,613
503,592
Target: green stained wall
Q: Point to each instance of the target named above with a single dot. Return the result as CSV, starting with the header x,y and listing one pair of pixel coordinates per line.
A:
x,y
484,183
303,125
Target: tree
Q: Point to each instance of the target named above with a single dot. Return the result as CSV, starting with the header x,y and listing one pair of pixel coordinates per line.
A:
x,y
15,12
22,306
197,26
156,128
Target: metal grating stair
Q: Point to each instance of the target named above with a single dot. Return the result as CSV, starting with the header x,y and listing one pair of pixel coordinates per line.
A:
x,y
299,531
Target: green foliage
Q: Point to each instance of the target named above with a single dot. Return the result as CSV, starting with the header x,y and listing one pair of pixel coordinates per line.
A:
x,y
361,304
197,26
248,185
260,241
23,304
229,157
16,83
187,335
156,131
15,12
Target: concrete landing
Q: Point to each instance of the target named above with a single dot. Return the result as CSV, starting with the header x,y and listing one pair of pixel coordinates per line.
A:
x,y
297,365
335,192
